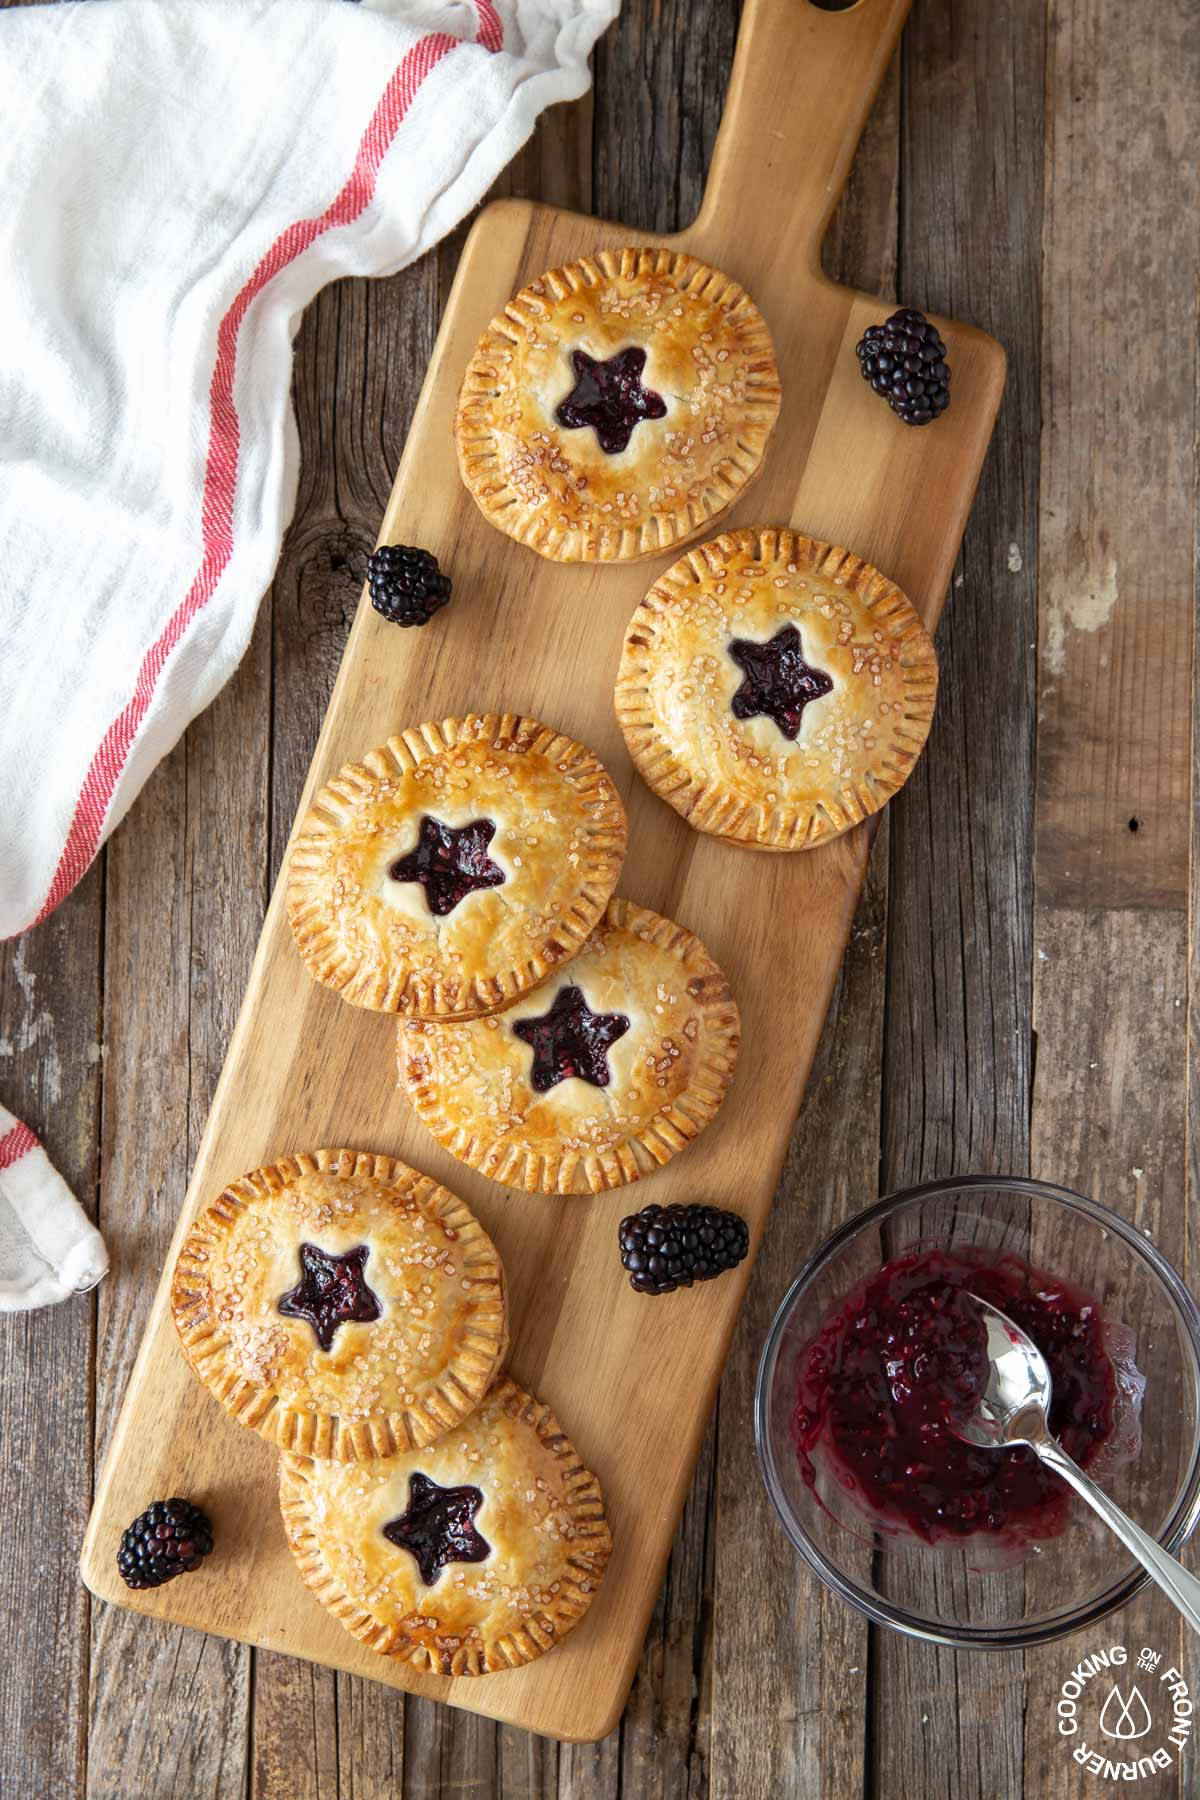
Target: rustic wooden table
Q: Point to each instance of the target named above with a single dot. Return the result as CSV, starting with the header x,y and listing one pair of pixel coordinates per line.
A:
x,y
1016,995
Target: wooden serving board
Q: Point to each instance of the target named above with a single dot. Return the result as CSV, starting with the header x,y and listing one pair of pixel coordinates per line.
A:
x,y
632,1379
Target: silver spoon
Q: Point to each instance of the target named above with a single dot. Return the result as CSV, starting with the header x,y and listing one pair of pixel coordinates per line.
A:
x,y
1013,1409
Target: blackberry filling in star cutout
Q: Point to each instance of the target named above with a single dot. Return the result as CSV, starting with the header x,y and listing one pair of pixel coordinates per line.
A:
x,y
332,1291
609,397
436,1527
570,1040
779,683
450,862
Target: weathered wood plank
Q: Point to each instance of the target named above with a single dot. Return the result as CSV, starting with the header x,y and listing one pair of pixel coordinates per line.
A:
x,y
526,1766
585,1770
958,1042
790,1660
370,1741
1118,532
663,1742
1116,626
660,80
185,898
1109,1119
295,1753
1191,1761
50,1077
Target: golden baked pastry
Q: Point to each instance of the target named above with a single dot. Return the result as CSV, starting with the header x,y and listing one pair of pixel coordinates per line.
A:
x,y
617,405
341,1305
594,1080
456,867
475,1554
775,690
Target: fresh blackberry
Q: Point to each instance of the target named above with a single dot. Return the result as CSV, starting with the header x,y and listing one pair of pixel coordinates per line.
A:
x,y
407,586
666,1247
168,1539
905,361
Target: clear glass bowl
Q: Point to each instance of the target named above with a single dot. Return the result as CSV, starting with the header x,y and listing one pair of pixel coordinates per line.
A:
x,y
956,1593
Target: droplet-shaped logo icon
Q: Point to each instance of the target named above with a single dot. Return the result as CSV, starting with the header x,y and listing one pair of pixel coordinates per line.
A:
x,y
1125,1719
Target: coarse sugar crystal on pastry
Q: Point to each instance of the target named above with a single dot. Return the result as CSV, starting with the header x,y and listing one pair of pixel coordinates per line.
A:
x,y
475,1554
456,867
595,1079
341,1304
617,405
775,690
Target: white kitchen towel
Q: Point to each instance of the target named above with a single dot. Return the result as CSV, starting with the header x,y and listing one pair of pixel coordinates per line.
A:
x,y
49,1249
179,179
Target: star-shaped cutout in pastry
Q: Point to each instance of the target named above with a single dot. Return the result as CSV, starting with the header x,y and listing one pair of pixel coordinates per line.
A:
x,y
609,397
450,862
436,1528
332,1290
570,1040
779,683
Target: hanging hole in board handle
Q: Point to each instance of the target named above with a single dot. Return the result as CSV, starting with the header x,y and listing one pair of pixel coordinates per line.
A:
x,y
835,5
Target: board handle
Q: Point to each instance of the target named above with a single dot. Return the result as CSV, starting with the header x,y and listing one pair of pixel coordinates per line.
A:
x,y
802,85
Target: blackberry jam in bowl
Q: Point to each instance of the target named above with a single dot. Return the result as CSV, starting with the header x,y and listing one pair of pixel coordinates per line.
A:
x,y
876,1354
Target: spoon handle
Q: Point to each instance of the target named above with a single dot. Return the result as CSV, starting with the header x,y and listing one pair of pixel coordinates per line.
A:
x,y
1176,1581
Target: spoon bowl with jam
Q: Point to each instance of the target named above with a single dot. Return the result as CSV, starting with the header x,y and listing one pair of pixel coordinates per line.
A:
x,y
878,1361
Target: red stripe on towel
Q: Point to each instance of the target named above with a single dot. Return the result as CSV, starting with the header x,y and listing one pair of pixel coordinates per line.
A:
x,y
221,467
15,1144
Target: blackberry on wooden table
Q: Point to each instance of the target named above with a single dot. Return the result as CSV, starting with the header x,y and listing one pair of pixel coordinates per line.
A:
x,y
667,1247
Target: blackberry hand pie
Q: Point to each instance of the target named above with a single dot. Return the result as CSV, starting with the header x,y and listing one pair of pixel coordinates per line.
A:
x,y
593,1080
456,867
617,405
341,1305
775,690
476,1554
